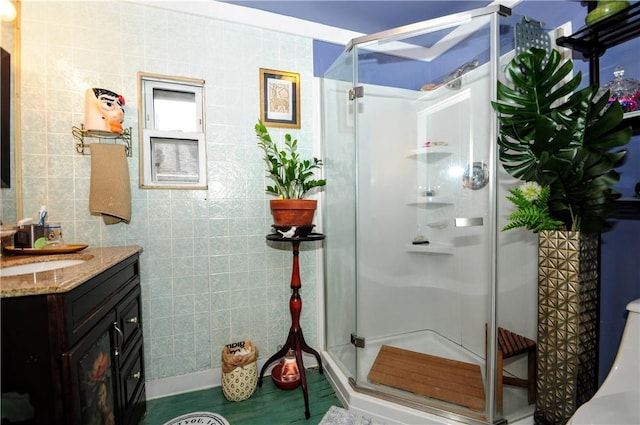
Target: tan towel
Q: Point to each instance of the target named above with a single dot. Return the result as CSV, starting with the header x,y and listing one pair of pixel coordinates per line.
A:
x,y
110,193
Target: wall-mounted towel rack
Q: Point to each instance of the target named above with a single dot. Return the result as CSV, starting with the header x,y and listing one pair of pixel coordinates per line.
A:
x,y
80,134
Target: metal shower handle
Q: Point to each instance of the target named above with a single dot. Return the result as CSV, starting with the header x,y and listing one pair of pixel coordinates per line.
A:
x,y
468,221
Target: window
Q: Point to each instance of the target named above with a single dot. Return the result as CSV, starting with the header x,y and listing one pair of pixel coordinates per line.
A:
x,y
172,142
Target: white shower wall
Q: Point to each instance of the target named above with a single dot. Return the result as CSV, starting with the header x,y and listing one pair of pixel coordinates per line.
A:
x,y
401,291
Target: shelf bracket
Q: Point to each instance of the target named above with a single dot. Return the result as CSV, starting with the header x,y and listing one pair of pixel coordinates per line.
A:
x,y
80,134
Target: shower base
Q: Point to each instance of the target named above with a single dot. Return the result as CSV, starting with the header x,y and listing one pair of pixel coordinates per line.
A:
x,y
429,376
403,407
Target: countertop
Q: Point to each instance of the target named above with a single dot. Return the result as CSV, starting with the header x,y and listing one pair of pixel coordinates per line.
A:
x,y
61,280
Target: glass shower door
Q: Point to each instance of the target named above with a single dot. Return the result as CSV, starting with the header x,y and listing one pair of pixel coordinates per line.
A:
x,y
423,237
339,215
411,162
416,269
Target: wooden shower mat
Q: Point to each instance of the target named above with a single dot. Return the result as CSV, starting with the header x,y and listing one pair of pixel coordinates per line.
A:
x,y
429,376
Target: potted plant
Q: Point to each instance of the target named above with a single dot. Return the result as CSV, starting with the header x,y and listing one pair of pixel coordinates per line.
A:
x,y
557,138
293,178
559,142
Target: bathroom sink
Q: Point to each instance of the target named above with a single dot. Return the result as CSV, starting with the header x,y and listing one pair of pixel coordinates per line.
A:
x,y
40,266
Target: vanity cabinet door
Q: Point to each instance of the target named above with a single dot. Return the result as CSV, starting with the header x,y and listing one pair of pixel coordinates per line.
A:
x,y
130,361
91,373
105,370
132,385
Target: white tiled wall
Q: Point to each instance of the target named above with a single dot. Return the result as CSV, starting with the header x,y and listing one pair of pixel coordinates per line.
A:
x,y
208,276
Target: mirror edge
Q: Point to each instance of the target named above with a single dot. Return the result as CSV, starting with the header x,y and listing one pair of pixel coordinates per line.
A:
x,y
17,106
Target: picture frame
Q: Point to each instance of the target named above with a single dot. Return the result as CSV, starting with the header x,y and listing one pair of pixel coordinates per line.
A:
x,y
279,98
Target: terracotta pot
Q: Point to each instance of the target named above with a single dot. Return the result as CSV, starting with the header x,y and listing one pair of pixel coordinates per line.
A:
x,y
293,212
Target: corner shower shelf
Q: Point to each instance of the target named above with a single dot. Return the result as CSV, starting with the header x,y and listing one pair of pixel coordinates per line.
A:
x,y
433,248
435,152
431,202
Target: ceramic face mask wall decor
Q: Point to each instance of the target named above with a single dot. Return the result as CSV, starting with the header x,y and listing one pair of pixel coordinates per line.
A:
x,y
103,111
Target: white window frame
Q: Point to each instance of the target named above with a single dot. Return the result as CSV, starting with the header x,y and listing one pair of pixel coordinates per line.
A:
x,y
147,131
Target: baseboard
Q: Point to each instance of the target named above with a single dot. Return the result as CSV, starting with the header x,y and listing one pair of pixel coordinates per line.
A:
x,y
201,380
174,385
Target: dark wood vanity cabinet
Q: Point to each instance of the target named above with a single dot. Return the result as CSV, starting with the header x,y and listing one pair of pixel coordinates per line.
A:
x,y
78,355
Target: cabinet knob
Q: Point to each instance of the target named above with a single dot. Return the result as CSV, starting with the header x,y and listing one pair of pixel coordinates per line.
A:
x,y
133,320
136,375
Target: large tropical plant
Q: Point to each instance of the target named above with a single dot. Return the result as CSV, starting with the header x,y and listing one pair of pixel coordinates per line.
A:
x,y
561,138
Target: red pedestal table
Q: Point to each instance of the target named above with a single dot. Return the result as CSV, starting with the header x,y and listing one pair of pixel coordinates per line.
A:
x,y
295,340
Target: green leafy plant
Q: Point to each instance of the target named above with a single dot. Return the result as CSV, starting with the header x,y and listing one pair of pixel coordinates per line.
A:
x,y
293,177
562,139
531,199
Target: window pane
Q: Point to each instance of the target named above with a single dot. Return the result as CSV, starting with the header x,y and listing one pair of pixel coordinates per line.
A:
x,y
174,160
175,110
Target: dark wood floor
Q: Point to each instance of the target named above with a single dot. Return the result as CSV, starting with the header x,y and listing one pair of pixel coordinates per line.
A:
x,y
267,406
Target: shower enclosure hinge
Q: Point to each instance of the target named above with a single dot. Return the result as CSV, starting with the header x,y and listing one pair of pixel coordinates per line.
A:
x,y
357,341
356,92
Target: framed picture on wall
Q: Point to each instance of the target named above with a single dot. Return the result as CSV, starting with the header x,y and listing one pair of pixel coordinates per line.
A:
x,y
279,98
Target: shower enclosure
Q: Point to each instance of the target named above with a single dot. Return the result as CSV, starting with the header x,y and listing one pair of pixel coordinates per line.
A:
x,y
418,275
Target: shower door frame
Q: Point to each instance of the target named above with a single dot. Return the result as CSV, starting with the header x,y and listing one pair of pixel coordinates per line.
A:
x,y
414,30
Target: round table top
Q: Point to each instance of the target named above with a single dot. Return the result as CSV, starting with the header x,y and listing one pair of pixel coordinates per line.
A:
x,y
277,237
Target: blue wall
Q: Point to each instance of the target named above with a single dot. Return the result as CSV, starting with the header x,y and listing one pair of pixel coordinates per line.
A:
x,y
620,284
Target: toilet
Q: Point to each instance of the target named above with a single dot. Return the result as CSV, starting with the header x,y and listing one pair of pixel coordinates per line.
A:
x,y
618,399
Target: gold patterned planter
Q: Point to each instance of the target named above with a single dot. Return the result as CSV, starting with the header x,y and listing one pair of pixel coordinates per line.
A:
x,y
568,306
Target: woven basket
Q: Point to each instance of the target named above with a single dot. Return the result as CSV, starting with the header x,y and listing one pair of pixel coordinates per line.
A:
x,y
239,371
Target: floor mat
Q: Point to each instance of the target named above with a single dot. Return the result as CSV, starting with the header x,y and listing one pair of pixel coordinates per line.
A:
x,y
429,376
339,416
204,418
